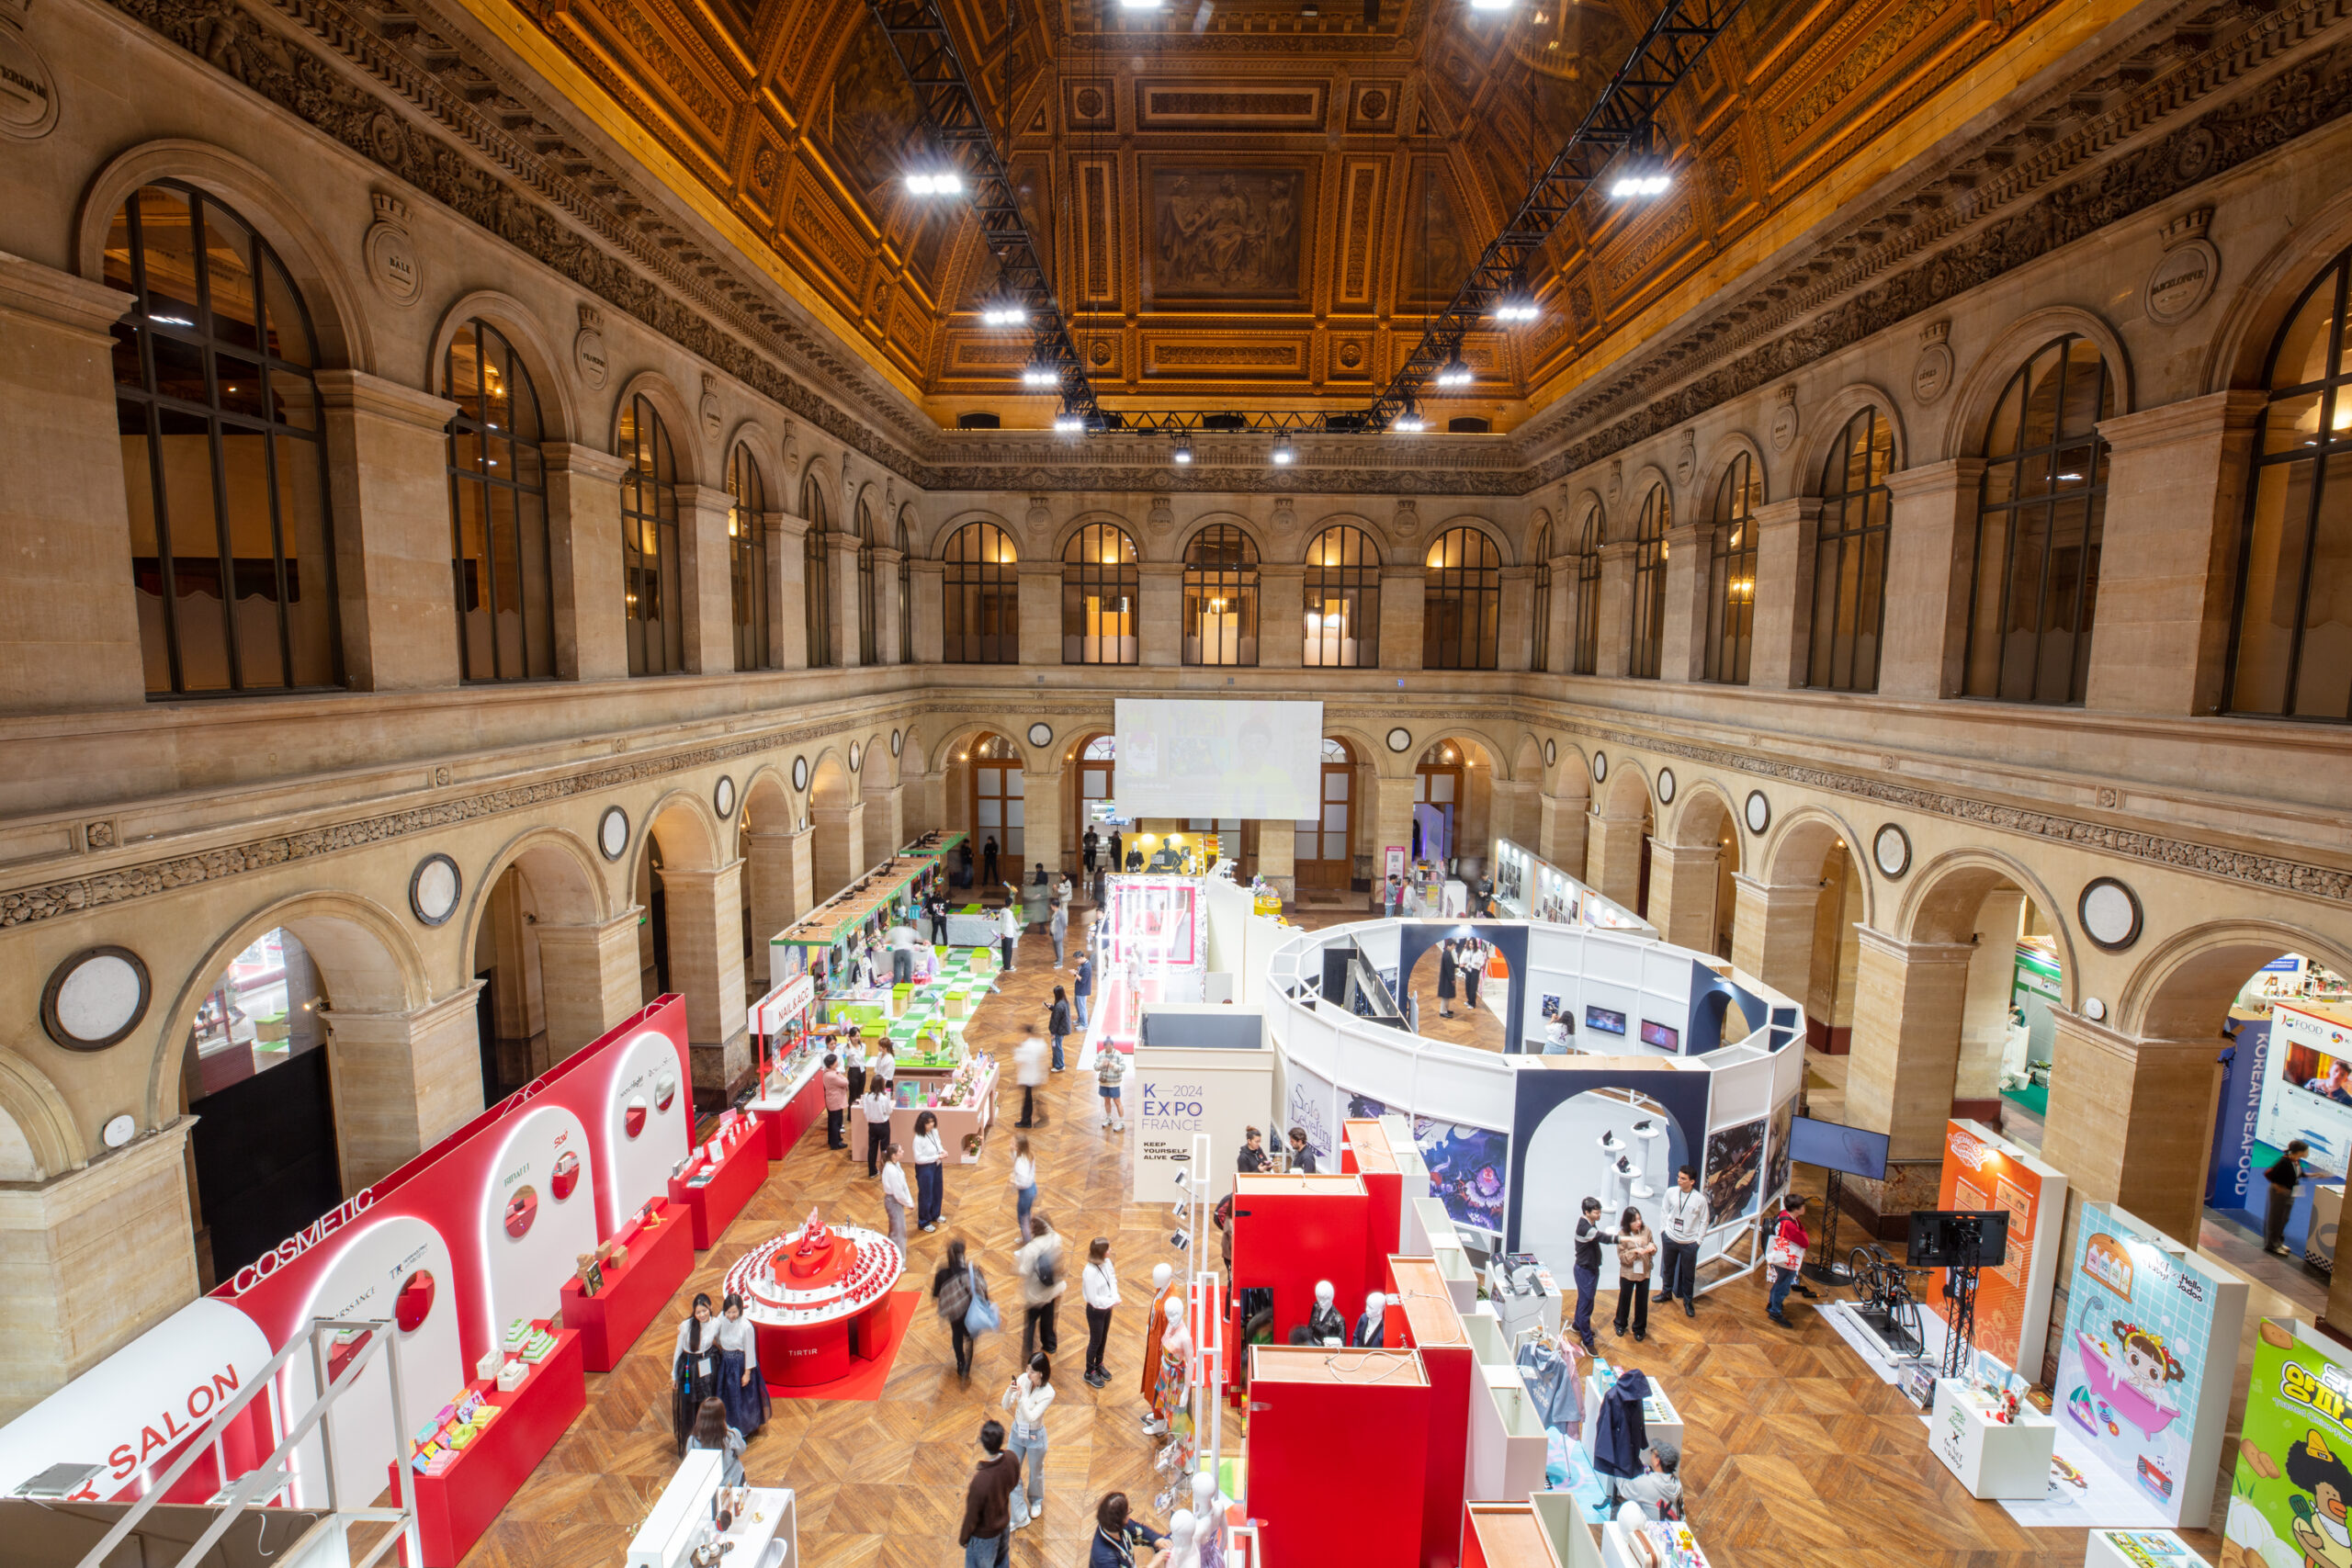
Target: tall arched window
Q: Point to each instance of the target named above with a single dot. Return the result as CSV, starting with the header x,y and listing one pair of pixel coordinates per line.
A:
x,y
905,592
231,550
1849,558
1587,608
747,557
1539,658
498,515
1731,573
816,577
1099,596
2035,584
1342,599
657,643
982,623
1221,597
1649,586
1462,601
2290,641
869,586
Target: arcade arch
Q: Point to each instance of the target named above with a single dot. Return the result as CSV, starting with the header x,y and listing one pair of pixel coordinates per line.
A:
x,y
529,1019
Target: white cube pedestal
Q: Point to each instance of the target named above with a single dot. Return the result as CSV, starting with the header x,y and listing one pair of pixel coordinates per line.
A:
x,y
2116,1549
1993,1458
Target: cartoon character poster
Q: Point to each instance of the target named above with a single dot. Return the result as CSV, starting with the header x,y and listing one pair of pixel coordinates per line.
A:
x,y
2130,1368
2293,1479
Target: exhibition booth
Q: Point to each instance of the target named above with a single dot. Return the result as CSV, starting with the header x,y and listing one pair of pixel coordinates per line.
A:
x,y
1529,888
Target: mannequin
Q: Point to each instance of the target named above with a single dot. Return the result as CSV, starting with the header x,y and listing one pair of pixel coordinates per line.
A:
x,y
1325,1322
1184,1550
1171,1368
1369,1327
1208,1518
1155,1325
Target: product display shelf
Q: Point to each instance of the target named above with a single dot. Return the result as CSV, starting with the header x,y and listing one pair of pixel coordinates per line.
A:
x,y
956,1122
791,1108
456,1506
1508,1443
1660,1419
1618,1550
1506,1535
1337,1434
1424,1320
974,925
1993,1458
713,1205
812,1325
766,1534
660,1255
2139,1549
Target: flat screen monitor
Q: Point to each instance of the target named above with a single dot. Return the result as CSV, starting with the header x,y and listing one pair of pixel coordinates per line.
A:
x,y
1857,1151
1603,1020
1939,1237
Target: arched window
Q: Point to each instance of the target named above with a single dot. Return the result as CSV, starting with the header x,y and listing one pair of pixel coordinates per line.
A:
x,y
1649,585
657,644
982,623
2291,642
1539,658
1588,607
498,512
1731,573
869,590
747,557
2035,584
1849,558
1099,596
1221,597
232,549
1098,767
1342,597
1461,603
816,577
905,592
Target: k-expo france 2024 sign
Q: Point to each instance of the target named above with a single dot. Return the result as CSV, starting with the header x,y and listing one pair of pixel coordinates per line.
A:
x,y
1172,1103
447,1214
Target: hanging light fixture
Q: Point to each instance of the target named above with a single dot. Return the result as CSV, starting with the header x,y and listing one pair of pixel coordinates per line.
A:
x,y
1454,373
1180,451
1004,310
1284,453
935,179
1641,172
1044,373
1069,421
1517,303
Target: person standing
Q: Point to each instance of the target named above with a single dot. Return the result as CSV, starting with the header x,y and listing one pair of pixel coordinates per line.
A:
x,y
1008,932
902,953
1392,893
1590,1237
1448,967
1083,987
740,1388
1109,1068
2283,1176
931,1170
954,1288
1057,927
964,855
694,1369
1029,1397
1024,1185
896,1200
882,1072
938,908
1683,1220
1252,1157
1037,877
988,861
1473,969
1119,851
1790,1240
1637,1254
836,1084
875,1107
1302,1158
1057,1023
985,1535
1029,1072
854,1063
1098,1282
1091,842
713,1430
1042,1284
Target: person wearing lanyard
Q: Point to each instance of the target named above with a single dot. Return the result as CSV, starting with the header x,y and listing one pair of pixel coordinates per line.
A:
x,y
877,1107
895,1199
1684,1221
1590,1237
1116,1535
1029,1398
931,1170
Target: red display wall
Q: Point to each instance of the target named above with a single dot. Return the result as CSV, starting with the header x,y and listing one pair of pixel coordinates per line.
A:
x,y
1336,1451
1365,1151
1290,1231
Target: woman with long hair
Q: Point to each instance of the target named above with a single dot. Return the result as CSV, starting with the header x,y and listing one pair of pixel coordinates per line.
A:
x,y
957,1284
1636,1255
740,1387
931,1170
694,1369
1028,1397
713,1432
1025,1185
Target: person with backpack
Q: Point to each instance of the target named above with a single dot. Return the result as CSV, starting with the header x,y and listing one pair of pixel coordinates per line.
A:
x,y
961,1293
1042,1285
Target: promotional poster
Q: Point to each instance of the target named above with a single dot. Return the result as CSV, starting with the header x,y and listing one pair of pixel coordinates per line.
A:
x,y
2307,1092
2294,1465
1982,1171
1466,1165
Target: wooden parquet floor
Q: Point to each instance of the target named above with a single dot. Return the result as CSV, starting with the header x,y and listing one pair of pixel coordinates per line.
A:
x,y
1797,1456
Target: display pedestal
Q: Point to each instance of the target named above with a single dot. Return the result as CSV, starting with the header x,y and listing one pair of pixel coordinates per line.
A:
x,y
766,1535
713,1205
660,1259
811,1327
2108,1550
973,926
956,1122
1993,1458
1659,1417
456,1506
785,1116
1337,1434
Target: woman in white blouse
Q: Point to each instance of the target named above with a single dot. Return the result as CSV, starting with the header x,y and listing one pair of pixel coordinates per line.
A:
x,y
740,1388
1099,1283
1028,1397
893,1198
877,1107
931,1170
1025,1185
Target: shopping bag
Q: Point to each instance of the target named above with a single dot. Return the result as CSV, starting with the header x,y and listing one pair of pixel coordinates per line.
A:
x,y
1785,1254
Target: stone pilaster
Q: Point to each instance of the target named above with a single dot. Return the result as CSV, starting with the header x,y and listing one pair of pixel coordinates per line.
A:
x,y
931,612
704,912
1392,821
1159,607
1771,932
779,878
1561,836
1683,893
403,1081
1683,653
1613,857
841,845
886,573
787,591
1515,638
1929,546
584,562
1281,620
1277,857
1560,653
2131,1119
590,977
707,589
1905,1060
1615,650
1042,825
1404,591
885,810
1040,606
840,560
1782,624
387,481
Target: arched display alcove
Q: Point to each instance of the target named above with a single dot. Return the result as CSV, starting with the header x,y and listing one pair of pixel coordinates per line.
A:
x,y
543,880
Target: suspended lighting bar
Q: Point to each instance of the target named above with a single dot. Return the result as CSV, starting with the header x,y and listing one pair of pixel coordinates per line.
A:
x,y
1517,307
1041,375
935,182
1069,421
1454,373
1004,313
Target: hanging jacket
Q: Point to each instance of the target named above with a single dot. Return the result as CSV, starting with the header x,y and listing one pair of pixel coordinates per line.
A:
x,y
1620,1435
1552,1386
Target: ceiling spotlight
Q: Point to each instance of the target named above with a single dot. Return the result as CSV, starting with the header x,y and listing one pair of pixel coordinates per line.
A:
x,y
1490,5
1139,4
1517,306
1454,373
1042,373
1004,313
935,182
1181,452
1642,175
1410,424
1069,421
1284,453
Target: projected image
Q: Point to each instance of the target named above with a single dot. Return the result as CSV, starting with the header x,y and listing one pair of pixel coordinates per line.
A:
x,y
2315,1073
1735,1162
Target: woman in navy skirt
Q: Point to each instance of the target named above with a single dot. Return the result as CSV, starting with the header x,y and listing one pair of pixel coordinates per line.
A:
x,y
740,1387
694,1370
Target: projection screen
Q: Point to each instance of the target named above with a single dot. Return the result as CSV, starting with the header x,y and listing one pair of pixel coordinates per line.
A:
x,y
1219,759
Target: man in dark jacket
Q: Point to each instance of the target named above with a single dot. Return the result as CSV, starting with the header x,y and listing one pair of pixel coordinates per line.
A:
x,y
1620,1434
2284,1178
1590,1237
987,1502
1252,1157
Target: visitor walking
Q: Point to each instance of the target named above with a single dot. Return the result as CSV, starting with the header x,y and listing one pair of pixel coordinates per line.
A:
x,y
1040,1262
836,1085
1448,967
1057,1023
985,1535
1587,1272
931,1170
1784,1256
1029,1072
1636,1255
1083,987
1098,1282
2284,1178
1110,1067
988,861
1029,1397
1025,1187
1057,927
964,856
875,1107
740,1387
957,1287
1683,1220
694,1367
1008,932
896,1201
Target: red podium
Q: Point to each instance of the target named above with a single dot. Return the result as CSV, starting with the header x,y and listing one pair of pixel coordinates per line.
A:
x,y
660,1259
802,1111
456,1506
1427,1323
1337,1448
716,1202
1289,1232
1365,1151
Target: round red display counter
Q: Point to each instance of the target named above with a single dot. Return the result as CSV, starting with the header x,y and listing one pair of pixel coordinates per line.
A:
x,y
818,1297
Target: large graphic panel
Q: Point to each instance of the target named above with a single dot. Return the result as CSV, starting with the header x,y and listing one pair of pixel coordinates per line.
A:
x,y
647,1125
1469,1167
2294,1463
1734,1172
535,1219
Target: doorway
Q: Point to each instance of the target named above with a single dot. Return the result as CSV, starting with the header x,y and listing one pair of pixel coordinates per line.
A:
x,y
1325,854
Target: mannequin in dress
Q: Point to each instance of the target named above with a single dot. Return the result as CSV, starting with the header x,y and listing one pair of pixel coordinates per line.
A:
x,y
1155,1325
1206,1517
1171,1368
1182,1550
1369,1327
1325,1322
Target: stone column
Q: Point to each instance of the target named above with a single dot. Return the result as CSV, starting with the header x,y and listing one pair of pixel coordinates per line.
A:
x,y
1783,607
1562,836
841,845
1042,824
1040,609
1613,857
1392,822
388,457
886,810
2130,1120
71,637
706,929
1929,541
1282,623
2175,488
1159,607
590,977
584,562
842,558
1404,589
1985,1015
1771,933
92,1259
1614,654
1560,646
885,576
1277,857
707,586
779,878
922,809
787,591
930,613
403,1081
1906,1057
1683,893
1682,654
1515,646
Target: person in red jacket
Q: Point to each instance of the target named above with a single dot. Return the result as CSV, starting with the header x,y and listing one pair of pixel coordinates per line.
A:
x,y
1789,1232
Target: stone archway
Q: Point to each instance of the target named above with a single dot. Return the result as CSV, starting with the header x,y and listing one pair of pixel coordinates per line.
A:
x,y
838,818
1691,867
1795,926
779,877
535,947
692,941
